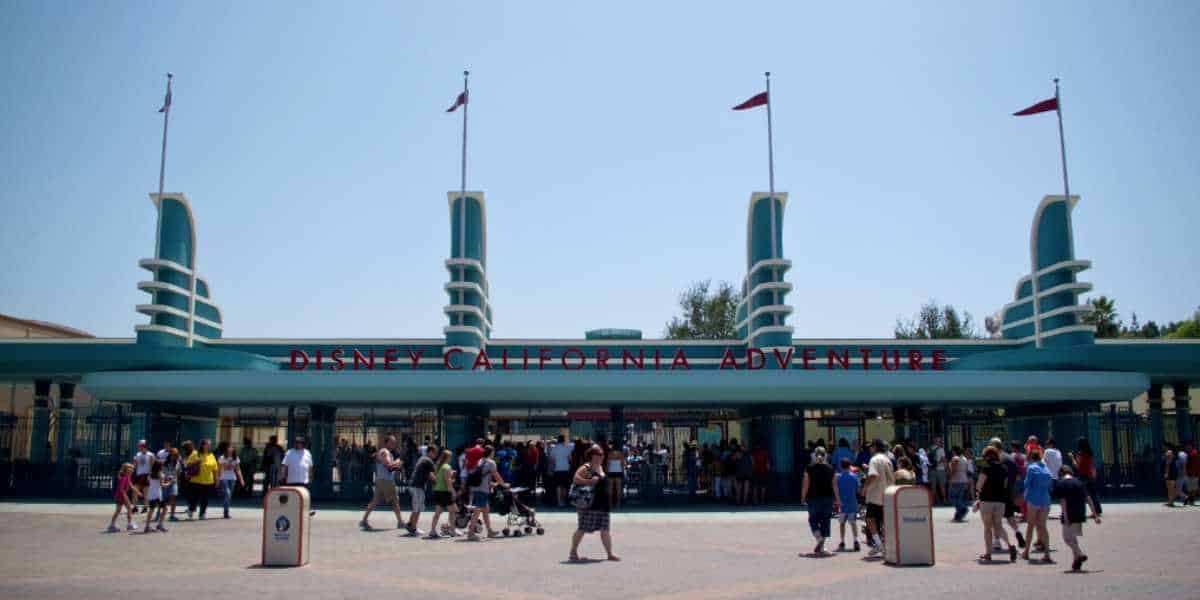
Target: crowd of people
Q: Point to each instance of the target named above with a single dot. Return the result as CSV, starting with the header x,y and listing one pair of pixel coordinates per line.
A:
x,y
1008,484
156,480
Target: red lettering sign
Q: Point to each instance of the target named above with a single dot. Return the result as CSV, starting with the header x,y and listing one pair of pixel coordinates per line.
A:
x,y
575,359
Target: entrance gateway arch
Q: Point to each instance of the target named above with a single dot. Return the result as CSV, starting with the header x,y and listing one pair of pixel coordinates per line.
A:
x,y
180,378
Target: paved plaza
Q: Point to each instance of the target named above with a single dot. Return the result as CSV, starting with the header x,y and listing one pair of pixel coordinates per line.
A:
x,y
59,551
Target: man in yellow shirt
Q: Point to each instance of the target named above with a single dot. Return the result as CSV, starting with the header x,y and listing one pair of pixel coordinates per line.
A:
x,y
202,466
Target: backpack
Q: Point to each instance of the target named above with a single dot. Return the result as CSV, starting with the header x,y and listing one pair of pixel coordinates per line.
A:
x,y
475,476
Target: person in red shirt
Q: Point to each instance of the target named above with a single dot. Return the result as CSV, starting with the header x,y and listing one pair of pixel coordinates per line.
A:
x,y
1032,444
762,471
474,455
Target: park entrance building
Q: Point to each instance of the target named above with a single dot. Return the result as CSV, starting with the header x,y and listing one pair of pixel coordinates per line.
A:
x,y
181,378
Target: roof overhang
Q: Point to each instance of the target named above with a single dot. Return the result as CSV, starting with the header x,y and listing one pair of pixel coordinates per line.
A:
x,y
599,388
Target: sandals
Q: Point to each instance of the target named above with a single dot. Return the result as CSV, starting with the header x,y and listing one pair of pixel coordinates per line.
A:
x,y
985,557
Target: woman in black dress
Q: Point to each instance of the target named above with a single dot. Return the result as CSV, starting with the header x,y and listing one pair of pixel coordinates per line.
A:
x,y
596,516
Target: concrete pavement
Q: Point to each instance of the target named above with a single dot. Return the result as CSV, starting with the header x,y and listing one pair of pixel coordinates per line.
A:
x,y
59,551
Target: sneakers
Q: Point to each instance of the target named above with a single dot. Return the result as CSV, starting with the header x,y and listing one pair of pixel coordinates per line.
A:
x,y
820,549
173,519
130,527
875,550
857,548
1077,564
160,528
493,535
841,547
113,529
471,537
190,515
433,535
365,526
414,532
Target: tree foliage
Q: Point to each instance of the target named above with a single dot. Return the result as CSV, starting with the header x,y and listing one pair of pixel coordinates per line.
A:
x,y
1105,317
706,314
935,322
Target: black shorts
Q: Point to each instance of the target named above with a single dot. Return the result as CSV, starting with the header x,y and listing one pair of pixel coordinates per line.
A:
x,y
875,512
142,480
742,478
616,475
442,499
563,478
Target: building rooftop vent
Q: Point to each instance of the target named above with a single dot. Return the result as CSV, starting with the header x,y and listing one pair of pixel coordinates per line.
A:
x,y
613,334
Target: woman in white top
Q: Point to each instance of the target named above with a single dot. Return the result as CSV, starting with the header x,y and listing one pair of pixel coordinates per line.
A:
x,y
229,466
615,469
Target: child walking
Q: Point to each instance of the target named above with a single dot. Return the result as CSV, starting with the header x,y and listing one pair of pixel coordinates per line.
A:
x,y
1072,493
847,489
154,498
121,495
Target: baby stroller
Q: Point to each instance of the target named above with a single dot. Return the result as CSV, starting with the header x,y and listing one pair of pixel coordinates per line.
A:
x,y
520,519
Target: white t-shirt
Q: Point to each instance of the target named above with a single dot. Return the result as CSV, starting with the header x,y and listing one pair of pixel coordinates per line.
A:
x,y
560,457
155,490
939,458
142,462
298,463
1053,459
383,459
161,455
881,467
228,468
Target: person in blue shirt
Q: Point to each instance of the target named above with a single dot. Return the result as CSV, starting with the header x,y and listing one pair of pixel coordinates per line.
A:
x,y
842,451
847,492
504,460
1038,482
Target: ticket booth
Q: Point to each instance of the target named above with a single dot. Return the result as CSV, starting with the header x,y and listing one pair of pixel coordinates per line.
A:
x,y
287,527
908,525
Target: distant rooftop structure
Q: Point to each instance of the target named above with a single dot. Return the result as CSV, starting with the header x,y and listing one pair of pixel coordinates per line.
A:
x,y
14,327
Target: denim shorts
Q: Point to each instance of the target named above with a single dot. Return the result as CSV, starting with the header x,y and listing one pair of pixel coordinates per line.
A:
x,y
479,499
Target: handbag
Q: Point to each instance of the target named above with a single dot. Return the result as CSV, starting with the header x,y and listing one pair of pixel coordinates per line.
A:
x,y
581,495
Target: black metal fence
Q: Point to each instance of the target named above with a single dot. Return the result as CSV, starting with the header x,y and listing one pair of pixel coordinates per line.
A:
x,y
83,460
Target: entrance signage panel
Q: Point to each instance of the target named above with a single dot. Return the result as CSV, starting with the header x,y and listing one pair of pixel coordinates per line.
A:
x,y
605,359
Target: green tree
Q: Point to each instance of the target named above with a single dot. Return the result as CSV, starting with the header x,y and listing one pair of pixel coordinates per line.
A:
x,y
1186,329
707,315
1104,317
935,322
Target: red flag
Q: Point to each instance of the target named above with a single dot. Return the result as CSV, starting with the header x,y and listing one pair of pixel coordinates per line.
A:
x,y
459,101
756,100
1040,107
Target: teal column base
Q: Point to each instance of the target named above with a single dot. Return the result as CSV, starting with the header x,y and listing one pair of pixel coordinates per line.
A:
x,y
617,417
1183,413
464,425
1154,401
785,440
322,430
39,434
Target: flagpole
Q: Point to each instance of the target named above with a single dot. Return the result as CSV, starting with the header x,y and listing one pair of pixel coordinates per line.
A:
x,y
771,166
462,195
162,164
1062,143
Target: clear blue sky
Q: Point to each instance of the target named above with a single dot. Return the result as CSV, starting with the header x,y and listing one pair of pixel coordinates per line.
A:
x,y
312,144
